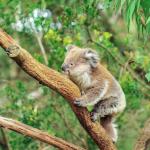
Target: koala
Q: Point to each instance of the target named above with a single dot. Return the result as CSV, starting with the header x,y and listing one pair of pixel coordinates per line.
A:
x,y
97,85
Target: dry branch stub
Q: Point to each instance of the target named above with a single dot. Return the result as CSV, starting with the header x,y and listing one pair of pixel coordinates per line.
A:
x,y
59,83
143,142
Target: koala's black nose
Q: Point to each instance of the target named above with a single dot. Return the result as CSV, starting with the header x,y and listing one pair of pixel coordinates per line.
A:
x,y
64,67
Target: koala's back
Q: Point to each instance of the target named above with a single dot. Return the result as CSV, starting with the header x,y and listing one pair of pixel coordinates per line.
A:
x,y
101,74
114,94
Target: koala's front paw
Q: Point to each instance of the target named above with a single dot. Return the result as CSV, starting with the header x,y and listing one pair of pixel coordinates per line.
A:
x,y
93,116
79,103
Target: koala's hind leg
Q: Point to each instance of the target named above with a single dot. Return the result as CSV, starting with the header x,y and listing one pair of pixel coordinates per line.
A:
x,y
105,107
110,127
105,110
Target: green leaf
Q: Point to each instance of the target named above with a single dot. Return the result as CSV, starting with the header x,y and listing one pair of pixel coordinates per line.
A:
x,y
148,21
130,11
148,76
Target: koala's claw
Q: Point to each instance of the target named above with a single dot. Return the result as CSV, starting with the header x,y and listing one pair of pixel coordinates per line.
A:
x,y
115,104
93,116
78,102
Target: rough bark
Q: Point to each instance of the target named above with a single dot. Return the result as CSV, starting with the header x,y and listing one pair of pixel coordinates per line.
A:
x,y
143,142
59,83
37,134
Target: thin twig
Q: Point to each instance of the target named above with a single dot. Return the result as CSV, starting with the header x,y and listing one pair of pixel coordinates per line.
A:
x,y
125,66
39,39
4,141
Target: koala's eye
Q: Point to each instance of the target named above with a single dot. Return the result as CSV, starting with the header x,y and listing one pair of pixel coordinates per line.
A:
x,y
71,64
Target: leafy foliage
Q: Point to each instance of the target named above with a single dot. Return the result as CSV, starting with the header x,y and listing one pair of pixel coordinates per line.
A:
x,y
137,9
148,76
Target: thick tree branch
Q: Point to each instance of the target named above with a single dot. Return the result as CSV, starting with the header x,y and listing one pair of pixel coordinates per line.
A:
x,y
143,142
59,83
37,134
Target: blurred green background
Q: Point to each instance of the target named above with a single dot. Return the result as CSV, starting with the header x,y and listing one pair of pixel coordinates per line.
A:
x,y
118,30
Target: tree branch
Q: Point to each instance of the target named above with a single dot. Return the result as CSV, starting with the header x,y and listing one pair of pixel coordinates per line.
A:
x,y
37,134
59,83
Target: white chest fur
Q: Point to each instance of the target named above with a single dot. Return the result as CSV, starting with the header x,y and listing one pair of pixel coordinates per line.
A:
x,y
83,80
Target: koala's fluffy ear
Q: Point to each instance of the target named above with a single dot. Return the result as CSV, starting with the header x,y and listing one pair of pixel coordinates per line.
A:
x,y
69,47
92,56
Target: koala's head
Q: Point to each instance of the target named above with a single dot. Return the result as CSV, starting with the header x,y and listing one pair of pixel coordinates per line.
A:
x,y
79,60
